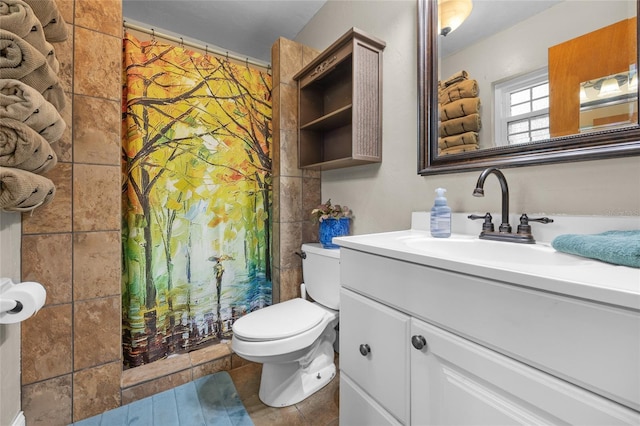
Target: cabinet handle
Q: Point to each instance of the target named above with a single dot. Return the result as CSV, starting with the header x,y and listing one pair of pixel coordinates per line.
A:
x,y
365,349
418,342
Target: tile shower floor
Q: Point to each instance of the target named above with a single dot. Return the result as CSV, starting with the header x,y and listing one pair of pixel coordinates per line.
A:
x,y
320,409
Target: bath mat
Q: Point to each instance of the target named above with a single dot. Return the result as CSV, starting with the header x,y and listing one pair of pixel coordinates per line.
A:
x,y
207,401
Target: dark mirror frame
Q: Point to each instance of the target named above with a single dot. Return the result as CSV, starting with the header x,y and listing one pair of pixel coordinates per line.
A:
x,y
592,146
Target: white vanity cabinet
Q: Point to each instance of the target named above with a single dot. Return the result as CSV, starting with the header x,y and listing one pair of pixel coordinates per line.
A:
x,y
449,348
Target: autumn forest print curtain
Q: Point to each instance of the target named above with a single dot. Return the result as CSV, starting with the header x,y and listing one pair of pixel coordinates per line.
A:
x,y
196,198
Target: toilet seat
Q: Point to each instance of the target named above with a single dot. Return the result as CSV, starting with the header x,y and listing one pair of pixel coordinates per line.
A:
x,y
256,347
275,322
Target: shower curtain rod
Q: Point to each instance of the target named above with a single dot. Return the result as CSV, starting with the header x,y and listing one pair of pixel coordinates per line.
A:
x,y
205,48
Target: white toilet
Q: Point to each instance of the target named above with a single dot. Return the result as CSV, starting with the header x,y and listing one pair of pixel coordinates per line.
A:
x,y
294,339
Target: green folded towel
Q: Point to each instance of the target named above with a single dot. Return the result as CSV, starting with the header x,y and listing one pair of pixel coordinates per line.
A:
x,y
617,247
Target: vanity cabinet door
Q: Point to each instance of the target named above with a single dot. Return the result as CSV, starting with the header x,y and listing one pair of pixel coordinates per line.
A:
x,y
359,409
374,353
455,381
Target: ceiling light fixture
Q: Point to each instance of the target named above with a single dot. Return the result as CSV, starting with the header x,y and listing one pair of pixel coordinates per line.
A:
x,y
452,13
609,87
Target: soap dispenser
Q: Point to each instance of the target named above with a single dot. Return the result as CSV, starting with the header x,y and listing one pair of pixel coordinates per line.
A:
x,y
440,216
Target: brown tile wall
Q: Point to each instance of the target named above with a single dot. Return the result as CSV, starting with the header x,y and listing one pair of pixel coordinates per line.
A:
x,y
71,350
295,191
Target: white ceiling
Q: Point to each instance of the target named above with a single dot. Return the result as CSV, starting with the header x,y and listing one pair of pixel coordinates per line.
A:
x,y
246,27
250,27
489,17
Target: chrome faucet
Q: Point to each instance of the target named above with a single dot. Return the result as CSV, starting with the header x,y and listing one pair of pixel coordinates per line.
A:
x,y
504,231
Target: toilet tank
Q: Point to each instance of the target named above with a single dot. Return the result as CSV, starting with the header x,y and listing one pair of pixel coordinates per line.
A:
x,y
321,274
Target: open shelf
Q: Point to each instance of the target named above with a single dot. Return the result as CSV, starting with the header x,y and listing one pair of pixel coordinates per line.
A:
x,y
339,104
337,118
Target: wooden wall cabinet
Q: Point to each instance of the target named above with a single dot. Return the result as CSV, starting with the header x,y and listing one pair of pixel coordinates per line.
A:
x,y
340,104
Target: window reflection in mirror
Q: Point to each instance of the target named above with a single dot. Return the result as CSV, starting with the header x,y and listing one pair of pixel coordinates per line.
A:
x,y
519,62
527,63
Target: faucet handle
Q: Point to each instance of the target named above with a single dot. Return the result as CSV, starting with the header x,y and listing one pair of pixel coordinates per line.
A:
x,y
525,228
487,226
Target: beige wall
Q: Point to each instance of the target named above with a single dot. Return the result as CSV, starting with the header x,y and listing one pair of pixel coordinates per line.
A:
x,y
383,196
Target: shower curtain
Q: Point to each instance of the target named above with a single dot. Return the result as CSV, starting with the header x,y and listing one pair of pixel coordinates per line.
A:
x,y
196,198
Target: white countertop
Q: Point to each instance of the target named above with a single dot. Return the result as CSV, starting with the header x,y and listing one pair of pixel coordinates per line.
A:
x,y
537,266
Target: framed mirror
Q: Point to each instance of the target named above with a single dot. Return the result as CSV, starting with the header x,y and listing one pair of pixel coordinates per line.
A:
x,y
555,84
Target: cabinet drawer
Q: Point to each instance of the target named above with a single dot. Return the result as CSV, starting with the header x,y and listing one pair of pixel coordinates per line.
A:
x,y
450,372
358,409
382,372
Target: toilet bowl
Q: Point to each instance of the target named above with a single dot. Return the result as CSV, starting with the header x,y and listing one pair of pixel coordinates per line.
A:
x,y
294,340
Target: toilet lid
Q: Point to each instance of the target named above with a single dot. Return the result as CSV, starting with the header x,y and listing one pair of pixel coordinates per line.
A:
x,y
279,321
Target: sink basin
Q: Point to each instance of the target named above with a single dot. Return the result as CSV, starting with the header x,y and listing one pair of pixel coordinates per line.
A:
x,y
475,250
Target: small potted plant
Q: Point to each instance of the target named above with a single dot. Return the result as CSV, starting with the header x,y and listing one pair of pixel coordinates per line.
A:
x,y
334,220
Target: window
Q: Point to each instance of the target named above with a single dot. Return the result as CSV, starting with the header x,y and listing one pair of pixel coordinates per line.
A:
x,y
522,109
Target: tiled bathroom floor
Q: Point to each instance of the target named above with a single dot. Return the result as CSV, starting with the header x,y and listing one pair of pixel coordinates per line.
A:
x,y
321,409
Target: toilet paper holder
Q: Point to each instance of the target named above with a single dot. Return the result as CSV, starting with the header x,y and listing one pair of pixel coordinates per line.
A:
x,y
13,297
8,305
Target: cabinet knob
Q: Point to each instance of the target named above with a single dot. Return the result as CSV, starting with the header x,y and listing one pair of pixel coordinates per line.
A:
x,y
418,342
365,349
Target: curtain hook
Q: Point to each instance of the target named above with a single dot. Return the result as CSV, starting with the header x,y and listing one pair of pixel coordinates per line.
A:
x,y
153,34
227,55
246,61
181,42
206,49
